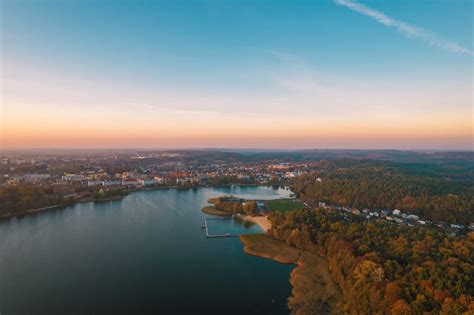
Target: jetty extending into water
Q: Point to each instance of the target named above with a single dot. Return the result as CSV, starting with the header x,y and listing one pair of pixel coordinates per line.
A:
x,y
218,235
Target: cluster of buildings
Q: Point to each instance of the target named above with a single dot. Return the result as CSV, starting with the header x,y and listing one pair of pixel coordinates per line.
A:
x,y
399,217
69,173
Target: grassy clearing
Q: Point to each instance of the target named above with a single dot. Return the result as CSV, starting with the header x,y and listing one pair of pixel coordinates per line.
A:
x,y
284,205
263,246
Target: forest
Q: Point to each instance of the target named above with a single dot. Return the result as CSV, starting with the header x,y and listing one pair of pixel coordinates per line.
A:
x,y
15,199
384,268
101,194
234,207
440,195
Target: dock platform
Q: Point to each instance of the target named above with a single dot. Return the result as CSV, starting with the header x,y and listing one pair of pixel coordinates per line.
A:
x,y
218,235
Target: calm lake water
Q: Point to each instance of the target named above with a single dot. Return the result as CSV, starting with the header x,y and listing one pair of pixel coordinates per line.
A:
x,y
144,254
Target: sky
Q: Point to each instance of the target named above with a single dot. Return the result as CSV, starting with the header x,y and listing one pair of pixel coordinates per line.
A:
x,y
294,74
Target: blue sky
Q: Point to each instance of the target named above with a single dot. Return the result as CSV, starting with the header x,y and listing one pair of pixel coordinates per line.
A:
x,y
309,60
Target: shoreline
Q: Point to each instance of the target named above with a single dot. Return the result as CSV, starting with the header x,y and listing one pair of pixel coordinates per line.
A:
x,y
11,215
213,211
112,198
313,289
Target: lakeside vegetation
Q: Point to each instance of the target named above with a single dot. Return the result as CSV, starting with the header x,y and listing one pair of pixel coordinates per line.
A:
x,y
230,205
263,246
313,289
22,200
111,194
381,267
213,211
18,199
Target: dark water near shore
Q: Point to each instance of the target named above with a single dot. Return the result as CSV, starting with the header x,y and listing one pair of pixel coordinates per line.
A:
x,y
232,226
144,254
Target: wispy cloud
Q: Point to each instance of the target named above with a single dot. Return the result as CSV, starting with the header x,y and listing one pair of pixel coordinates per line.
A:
x,y
406,29
285,57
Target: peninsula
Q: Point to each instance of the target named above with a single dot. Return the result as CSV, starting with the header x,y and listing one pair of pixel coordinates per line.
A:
x,y
248,210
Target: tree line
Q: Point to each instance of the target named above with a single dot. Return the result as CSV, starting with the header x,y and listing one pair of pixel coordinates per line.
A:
x,y
234,207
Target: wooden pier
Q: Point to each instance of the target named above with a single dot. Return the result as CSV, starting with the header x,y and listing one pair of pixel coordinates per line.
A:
x,y
218,235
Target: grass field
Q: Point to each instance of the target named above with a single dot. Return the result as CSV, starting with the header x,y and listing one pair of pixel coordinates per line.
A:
x,y
284,205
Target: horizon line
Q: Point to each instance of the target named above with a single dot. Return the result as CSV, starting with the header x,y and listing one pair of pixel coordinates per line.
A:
x,y
229,148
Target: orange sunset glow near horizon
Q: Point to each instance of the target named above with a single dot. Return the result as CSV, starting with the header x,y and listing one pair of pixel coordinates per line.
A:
x,y
282,133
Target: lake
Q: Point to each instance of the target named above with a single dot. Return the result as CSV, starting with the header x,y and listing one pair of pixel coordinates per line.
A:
x,y
146,253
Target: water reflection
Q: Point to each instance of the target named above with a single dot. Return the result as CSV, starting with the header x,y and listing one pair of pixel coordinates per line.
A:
x,y
144,254
233,226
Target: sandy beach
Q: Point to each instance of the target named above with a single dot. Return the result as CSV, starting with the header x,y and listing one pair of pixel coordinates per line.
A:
x,y
263,222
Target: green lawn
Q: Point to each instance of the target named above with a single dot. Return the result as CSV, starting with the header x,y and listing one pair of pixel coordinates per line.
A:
x,y
284,205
